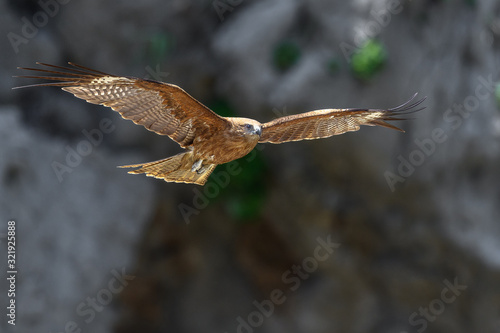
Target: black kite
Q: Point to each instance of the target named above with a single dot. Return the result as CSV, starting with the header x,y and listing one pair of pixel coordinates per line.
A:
x,y
209,139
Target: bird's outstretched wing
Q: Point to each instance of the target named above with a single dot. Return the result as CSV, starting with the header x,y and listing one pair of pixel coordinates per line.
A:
x,y
325,123
162,108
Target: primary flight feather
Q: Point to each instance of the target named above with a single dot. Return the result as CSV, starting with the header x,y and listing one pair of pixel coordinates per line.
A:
x,y
208,138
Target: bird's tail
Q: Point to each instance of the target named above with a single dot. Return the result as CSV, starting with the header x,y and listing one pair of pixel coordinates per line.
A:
x,y
176,169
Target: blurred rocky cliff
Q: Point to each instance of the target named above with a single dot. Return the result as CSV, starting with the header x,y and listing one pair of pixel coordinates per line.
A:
x,y
372,231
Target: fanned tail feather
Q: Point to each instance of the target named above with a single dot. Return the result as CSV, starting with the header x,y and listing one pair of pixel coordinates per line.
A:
x,y
174,169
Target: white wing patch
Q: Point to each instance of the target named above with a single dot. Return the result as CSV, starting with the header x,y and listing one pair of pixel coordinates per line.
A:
x,y
110,80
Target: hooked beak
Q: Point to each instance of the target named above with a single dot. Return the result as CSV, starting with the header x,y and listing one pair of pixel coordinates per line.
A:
x,y
258,131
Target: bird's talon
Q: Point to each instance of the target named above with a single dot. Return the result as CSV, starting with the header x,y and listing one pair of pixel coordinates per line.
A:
x,y
196,166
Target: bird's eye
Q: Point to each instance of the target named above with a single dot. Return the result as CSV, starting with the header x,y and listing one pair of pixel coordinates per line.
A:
x,y
248,126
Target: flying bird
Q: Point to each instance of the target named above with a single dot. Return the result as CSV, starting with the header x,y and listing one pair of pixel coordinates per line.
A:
x,y
208,138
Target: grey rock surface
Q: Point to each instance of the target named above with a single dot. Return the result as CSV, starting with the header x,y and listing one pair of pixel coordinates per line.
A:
x,y
73,235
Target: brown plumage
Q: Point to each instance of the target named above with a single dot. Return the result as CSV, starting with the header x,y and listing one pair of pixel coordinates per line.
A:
x,y
208,138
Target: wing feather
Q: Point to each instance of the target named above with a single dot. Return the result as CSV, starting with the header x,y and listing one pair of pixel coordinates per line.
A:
x,y
160,107
325,123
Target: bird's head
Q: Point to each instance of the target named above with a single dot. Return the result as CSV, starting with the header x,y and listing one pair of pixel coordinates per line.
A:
x,y
248,127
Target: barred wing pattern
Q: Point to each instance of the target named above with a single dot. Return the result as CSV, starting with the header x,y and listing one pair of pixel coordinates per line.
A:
x,y
160,107
325,123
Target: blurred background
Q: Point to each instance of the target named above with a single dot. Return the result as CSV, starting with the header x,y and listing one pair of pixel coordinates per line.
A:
x,y
372,231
